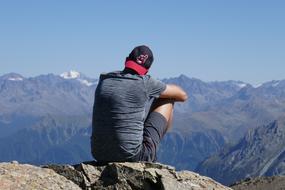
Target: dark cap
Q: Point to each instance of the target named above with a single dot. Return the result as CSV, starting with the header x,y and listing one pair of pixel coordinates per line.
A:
x,y
140,59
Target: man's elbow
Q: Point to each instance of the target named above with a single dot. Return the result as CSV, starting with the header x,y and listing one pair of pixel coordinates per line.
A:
x,y
183,97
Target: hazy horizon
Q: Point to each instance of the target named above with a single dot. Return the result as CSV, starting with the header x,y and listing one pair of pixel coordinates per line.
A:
x,y
96,77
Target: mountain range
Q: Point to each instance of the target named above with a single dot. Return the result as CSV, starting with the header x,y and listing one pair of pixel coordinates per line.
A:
x,y
47,118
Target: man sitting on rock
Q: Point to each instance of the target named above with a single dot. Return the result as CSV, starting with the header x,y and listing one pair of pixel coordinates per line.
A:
x,y
132,111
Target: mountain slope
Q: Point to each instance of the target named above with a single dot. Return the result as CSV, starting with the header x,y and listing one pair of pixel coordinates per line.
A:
x,y
261,152
186,151
51,140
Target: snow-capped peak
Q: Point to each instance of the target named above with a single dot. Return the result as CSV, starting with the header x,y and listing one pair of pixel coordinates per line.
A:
x,y
79,77
70,75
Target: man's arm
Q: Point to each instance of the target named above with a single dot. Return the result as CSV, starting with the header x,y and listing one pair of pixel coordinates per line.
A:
x,y
174,92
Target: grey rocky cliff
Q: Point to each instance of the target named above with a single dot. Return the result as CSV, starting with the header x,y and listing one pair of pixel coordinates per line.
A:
x,y
128,176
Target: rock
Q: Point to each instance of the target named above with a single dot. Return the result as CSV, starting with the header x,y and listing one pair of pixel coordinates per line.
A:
x,y
24,176
141,175
261,183
90,175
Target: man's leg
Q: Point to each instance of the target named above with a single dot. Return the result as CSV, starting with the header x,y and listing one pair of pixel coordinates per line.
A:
x,y
157,124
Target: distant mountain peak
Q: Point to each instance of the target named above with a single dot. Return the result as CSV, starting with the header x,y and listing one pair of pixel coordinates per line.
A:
x,y
70,74
182,76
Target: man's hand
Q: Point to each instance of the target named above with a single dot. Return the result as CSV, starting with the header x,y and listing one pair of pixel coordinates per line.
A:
x,y
174,92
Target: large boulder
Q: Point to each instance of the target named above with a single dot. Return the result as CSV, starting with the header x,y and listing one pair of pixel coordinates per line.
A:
x,y
24,176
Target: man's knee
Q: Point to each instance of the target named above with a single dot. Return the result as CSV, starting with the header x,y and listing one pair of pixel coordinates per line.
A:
x,y
164,107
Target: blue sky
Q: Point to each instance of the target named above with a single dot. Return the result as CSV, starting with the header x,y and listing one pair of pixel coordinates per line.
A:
x,y
206,39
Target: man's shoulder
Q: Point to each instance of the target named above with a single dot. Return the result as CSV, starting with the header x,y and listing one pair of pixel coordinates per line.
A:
x,y
152,79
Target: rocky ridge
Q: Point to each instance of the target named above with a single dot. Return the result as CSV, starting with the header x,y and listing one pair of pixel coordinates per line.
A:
x,y
126,175
261,183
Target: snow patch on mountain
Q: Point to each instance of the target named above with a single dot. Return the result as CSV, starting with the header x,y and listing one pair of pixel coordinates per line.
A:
x,y
273,83
86,82
241,85
15,79
257,85
276,83
12,77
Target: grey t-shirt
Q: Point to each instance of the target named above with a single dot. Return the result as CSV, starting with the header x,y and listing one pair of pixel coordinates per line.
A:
x,y
120,108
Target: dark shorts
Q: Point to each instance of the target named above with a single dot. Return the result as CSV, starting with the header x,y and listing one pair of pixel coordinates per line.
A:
x,y
154,129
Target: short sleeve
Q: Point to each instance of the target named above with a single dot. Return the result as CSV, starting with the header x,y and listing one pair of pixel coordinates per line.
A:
x,y
154,87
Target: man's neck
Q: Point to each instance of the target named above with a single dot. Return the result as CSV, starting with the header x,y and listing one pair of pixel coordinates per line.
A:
x,y
130,71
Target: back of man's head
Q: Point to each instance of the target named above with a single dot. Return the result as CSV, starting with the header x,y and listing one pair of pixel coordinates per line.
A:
x,y
140,59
